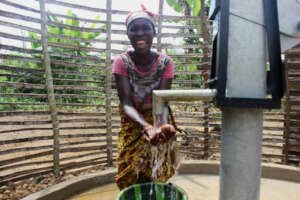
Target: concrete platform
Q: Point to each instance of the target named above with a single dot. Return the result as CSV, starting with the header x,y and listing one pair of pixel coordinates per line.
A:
x,y
199,179
204,187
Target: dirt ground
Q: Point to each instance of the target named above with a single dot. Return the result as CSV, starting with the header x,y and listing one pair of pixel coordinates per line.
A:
x,y
20,189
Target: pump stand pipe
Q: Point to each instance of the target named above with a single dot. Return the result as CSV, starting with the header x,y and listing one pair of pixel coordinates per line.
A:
x,y
162,96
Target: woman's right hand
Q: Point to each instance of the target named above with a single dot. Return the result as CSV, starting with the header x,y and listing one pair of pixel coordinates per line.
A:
x,y
158,135
152,135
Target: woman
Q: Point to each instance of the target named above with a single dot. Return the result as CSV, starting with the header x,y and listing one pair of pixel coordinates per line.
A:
x,y
137,73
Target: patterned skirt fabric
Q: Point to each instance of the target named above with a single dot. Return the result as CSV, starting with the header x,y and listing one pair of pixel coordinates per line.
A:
x,y
138,161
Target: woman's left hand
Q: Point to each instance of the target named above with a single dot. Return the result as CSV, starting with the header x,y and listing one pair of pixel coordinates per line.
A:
x,y
167,131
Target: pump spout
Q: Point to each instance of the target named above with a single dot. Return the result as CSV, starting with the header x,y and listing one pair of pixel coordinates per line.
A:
x,y
162,96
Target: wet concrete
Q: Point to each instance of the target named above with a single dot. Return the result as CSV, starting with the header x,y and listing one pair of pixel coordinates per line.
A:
x,y
204,187
106,192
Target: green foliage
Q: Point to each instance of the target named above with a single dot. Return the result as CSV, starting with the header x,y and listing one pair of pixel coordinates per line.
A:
x,y
69,33
195,7
178,6
35,36
33,78
20,77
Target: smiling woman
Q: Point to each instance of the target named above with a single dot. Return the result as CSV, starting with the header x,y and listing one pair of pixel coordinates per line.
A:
x,y
137,74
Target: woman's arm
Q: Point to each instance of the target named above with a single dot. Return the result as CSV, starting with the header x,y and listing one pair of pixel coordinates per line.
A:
x,y
125,97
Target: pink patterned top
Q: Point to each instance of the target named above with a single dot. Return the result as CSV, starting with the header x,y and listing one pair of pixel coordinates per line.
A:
x,y
142,83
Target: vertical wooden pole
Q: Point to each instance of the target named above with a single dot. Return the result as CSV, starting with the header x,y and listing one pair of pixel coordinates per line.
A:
x,y
50,89
108,82
285,152
159,25
205,60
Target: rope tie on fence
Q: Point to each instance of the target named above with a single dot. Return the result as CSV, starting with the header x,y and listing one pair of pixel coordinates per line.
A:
x,y
185,136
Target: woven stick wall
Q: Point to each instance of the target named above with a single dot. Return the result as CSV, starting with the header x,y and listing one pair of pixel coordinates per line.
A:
x,y
291,148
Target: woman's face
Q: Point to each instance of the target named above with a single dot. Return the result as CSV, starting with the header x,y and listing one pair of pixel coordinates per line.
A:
x,y
140,33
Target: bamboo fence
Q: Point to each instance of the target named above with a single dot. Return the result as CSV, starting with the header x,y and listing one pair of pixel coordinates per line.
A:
x,y
59,109
291,149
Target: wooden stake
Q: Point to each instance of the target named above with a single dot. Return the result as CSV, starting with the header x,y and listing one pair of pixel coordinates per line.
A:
x,y
206,59
108,84
50,90
159,25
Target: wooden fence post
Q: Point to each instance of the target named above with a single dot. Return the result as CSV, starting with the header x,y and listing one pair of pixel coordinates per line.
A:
x,y
108,83
287,110
205,60
159,25
50,88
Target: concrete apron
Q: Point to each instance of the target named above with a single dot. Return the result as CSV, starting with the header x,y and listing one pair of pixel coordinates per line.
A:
x,y
77,185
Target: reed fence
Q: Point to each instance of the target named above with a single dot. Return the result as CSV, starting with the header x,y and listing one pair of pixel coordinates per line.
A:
x,y
291,149
59,106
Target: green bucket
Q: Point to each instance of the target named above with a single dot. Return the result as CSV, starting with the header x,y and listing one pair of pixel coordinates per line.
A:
x,y
152,191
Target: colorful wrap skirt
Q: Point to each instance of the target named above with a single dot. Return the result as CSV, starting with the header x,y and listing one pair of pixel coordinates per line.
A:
x,y
138,161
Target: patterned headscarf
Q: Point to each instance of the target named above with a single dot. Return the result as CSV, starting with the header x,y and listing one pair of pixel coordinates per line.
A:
x,y
144,13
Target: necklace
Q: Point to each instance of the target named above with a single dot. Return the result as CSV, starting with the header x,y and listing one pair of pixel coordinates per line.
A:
x,y
144,67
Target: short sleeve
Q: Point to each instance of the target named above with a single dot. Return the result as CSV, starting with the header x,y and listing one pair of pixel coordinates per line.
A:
x,y
119,67
169,70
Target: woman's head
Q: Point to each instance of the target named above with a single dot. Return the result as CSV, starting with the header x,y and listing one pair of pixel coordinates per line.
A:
x,y
141,30
140,33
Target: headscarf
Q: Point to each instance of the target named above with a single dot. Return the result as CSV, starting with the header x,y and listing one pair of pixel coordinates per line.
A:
x,y
144,13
